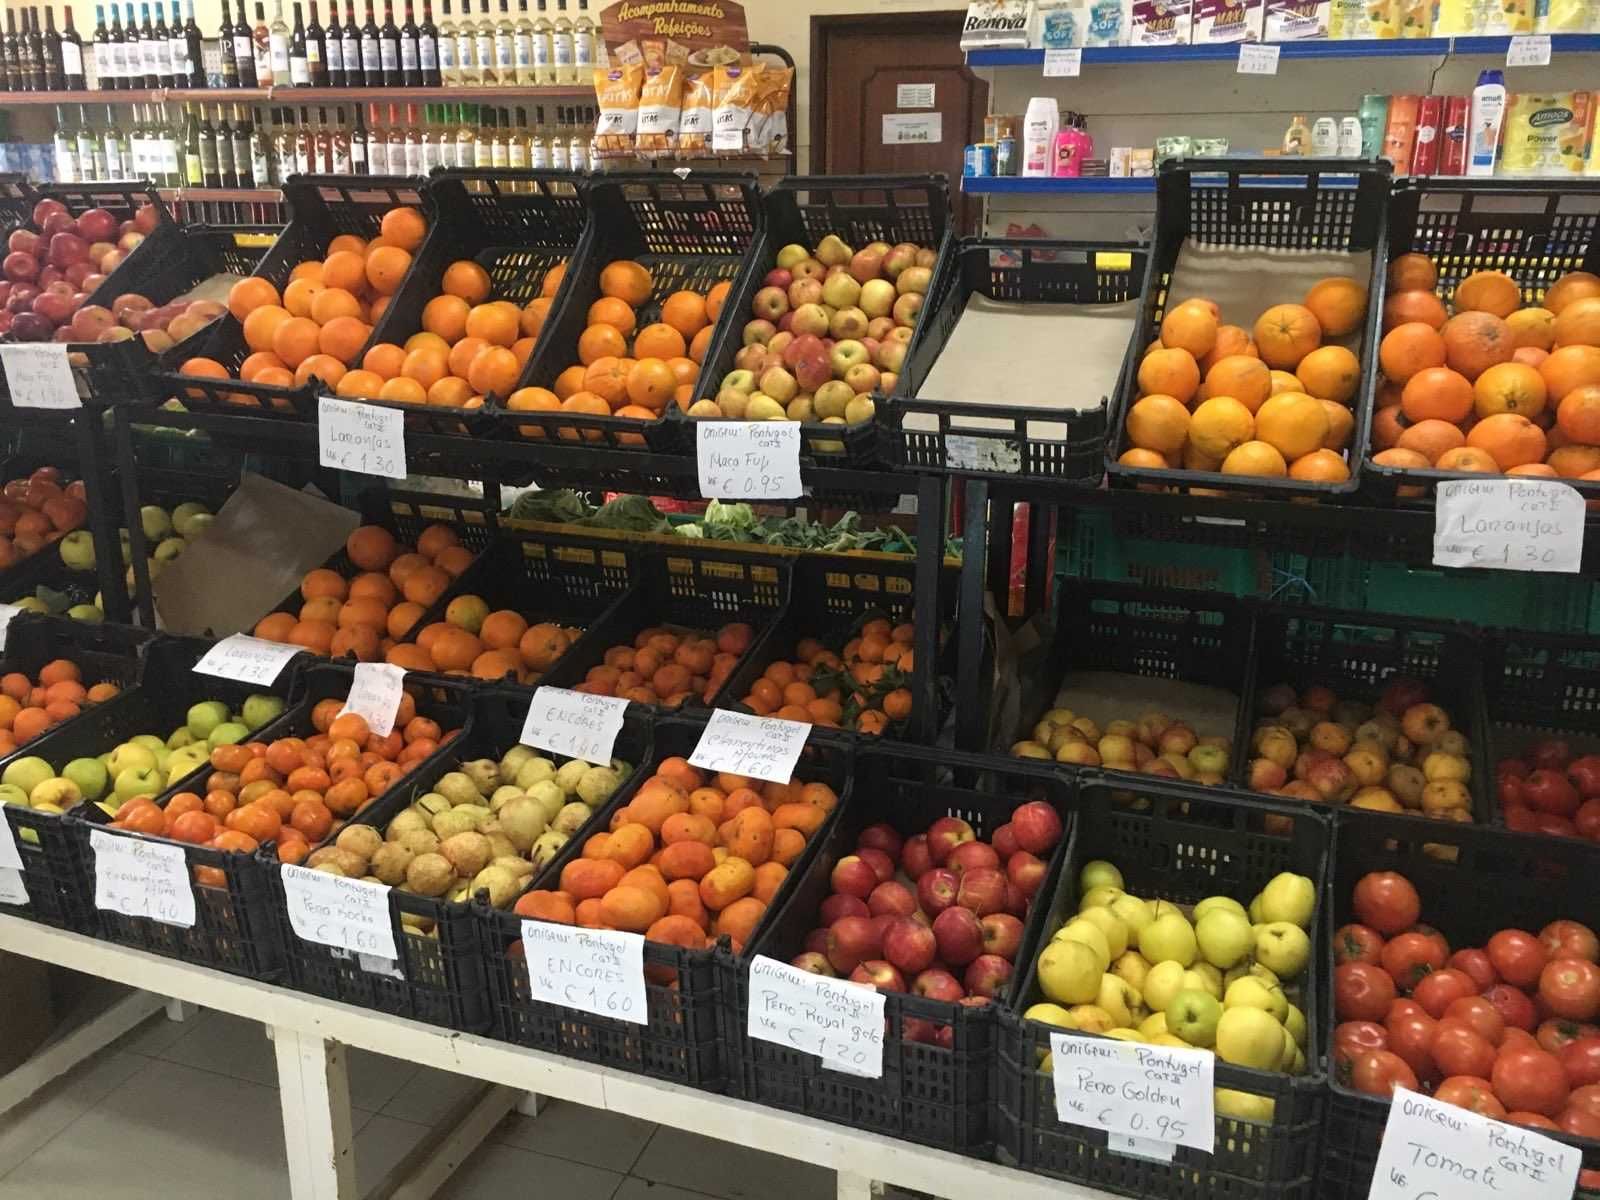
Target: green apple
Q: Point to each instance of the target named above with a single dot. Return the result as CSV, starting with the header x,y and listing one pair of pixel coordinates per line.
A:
x,y
227,734
261,709
1250,1037
10,793
87,613
157,524
1132,912
1080,930
1100,897
1243,1106
150,742
1050,1014
56,793
1121,999
1169,937
1251,992
90,776
130,756
168,549
27,773
1098,873
205,716
1164,981
137,781
1110,925
1223,936
1289,897
77,550
1295,1023
1153,1026
1069,972
1132,967
31,604
1254,911
1208,977
1211,903
1286,1059
1256,969
180,738
1193,1016
184,513
1283,947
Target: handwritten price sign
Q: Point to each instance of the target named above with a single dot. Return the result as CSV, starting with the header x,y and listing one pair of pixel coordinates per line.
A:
x,y
1159,1092
838,1021
744,745
330,910
141,879
1508,525
39,376
375,693
748,460
574,723
246,659
1435,1149
597,971
365,438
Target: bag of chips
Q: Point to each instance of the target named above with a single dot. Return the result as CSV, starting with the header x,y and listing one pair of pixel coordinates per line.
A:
x,y
617,89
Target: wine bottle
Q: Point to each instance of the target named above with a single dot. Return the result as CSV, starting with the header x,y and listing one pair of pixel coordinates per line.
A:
x,y
358,142
192,50
316,54
51,45
299,72
428,47
410,58
389,47
371,51
333,46
278,47
350,44
244,49
227,49
103,79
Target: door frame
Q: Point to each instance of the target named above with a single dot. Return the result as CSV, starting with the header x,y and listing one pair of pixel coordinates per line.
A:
x,y
821,26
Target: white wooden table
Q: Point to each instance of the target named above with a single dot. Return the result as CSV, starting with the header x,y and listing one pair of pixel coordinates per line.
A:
x,y
310,1036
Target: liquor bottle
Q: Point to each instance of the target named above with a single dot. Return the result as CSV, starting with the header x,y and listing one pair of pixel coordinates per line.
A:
x,y
428,47
371,51
389,47
517,147
261,154
305,146
448,68
51,45
101,40
578,143
192,53
544,51
244,49
502,139
350,45
227,50
278,47
483,47
397,145
322,144
114,145
522,45
115,52
467,48
427,148
583,42
538,142
560,146
333,46
66,146
466,121
299,72
226,171
316,51
561,46
342,145
410,61
377,145
243,166
359,164
505,47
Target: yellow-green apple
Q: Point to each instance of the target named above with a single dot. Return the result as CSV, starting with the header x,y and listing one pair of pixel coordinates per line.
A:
x,y
1439,766
1244,1106
1193,1015
1080,930
1169,937
1249,1037
1069,972
1284,947
1424,724
1097,873
1288,897
1161,983
1251,992
1116,932
1090,1018
1049,1014
1223,937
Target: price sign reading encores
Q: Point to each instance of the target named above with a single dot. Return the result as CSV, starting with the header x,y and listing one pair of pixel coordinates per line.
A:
x,y
599,971
749,460
246,659
331,910
1159,1092
840,1022
574,723
744,745
375,692
1435,1149
141,879
352,436
1508,525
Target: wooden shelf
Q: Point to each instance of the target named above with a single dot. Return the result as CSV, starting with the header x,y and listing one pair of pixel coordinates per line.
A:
x,y
293,95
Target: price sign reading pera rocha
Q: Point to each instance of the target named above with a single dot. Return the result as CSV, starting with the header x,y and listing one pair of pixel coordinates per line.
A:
x,y
375,692
1431,1148
744,745
1508,525
331,910
139,878
749,460
574,723
1159,1092
838,1021
353,436
599,971
246,659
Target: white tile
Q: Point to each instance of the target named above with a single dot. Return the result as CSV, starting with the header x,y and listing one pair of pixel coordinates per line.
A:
x,y
496,1171
155,1035
634,1188
375,1079
381,1143
718,1168
429,1094
31,1125
227,1045
579,1133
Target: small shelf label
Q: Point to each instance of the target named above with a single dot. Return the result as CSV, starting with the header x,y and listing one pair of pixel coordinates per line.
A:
x,y
1063,64
1528,50
1256,58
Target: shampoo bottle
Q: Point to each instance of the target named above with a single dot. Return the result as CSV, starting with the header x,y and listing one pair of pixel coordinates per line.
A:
x,y
1483,133
1040,125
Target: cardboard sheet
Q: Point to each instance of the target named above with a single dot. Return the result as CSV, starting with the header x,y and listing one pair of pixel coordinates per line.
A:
x,y
1105,696
253,555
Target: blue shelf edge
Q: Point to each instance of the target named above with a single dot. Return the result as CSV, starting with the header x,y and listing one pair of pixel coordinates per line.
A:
x,y
1105,185
1560,43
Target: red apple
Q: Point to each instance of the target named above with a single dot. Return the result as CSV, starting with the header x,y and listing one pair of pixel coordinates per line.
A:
x,y
851,941
1585,775
944,1036
1548,790
54,307
909,945
959,934
31,327
53,224
842,905
96,225
945,834
983,890
92,282
1401,694
915,856
813,962
129,242
67,248
1005,842
880,975
854,876
111,261
25,240
146,218
969,855
986,975
1026,871
1016,900
1037,826
892,898
936,890
77,272
882,836
1002,935
20,266
936,983
882,865
44,209
916,1029
1550,753
817,940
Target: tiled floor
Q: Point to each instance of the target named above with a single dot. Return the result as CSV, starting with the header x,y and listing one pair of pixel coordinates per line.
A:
x,y
175,1111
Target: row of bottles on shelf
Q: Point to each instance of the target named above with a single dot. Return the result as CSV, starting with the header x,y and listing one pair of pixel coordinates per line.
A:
x,y
503,49
181,146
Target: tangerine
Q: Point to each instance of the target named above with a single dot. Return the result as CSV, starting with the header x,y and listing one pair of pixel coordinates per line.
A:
x,y
1285,334
569,381
608,310
345,270
552,280
1219,424
716,298
467,280
700,345
1511,387
1409,348
1169,373
600,341
494,324
450,392
587,403
1231,340
446,316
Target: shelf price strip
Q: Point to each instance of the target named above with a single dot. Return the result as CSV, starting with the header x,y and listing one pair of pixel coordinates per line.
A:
x,y
1154,1093
1434,1149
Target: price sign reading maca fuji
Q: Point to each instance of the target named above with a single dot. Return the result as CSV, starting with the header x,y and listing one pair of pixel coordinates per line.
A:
x,y
749,460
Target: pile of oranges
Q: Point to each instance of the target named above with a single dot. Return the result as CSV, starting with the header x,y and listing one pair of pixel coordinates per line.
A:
x,y
324,316
469,347
366,615
688,859
29,707
668,666
1272,401
473,640
293,791
1497,387
865,690
626,370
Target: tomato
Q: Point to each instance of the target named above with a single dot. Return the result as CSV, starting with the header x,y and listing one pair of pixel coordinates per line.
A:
x,y
1570,987
1530,1080
1362,992
1386,901
1509,789
1585,775
1551,825
1379,1072
1356,943
1351,1039
1587,819
1549,752
1570,939
1458,1049
1476,964
1550,791
1438,989
1586,1097
1580,1122
1518,956
1411,1036
1588,1181
1556,1033
1581,1061
1410,956
1520,818
1514,767
1516,1010
1471,1092
1532,1120
1480,1016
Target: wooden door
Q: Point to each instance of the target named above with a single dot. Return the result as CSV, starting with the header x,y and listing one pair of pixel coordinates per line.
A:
x,y
867,68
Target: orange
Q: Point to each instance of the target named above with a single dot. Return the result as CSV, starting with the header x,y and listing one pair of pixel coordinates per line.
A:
x,y
650,385
426,341
1320,466
659,341
1541,470
1578,323
298,296
569,381
523,349
262,323
450,392
1533,327
1401,458
348,242
1338,305
716,298
402,618
1218,425
258,362
1170,373
403,391
1511,387
1436,393
425,585
551,282
386,267
589,404
1293,423
700,344
313,635
1575,285
385,359
354,385
323,366
467,280
1487,291
310,269
1570,367
600,341
493,324
426,366
1578,415
1412,273
1432,438
343,337
1467,458
534,316
684,370
1409,348
1475,341
333,302
1285,334
403,227
608,379
1255,458
1574,462
1413,306
634,412
1341,425
1159,423
346,270
532,399
275,377
321,582
250,294
686,312
1191,326
1136,457
1330,373
626,280
295,340
1242,376
1231,340
495,371
1509,438
462,354
608,310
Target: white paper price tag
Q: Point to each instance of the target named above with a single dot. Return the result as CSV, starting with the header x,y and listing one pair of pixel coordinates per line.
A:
x,y
1159,1092
840,1022
331,910
1508,525
12,889
1528,50
749,460
1063,63
1257,59
1431,1148
744,745
10,856
368,439
598,971
7,611
375,692
39,376
730,138
574,723
1140,1147
138,878
246,659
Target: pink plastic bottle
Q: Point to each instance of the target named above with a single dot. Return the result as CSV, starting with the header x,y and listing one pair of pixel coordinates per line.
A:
x,y
1072,145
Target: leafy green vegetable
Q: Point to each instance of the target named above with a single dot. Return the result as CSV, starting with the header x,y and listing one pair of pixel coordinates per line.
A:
x,y
739,516
555,507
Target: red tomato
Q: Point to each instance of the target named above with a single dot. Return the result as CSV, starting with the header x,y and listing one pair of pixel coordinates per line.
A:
x,y
1552,825
1386,901
1411,1036
1402,1008
1509,789
1410,956
1356,943
1516,1010
1585,775
1476,964
1471,1092
1556,1033
1518,956
1521,818
1353,1038
1458,1049
1513,767
1587,819
1439,989
1579,1121
1586,1097
1530,1080
1362,992
1480,1016
1570,987
1570,939
1588,1181
1379,1072
1550,791
1532,1120
1581,1061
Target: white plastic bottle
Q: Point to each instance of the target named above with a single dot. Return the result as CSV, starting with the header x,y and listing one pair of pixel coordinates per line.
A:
x,y
1039,127
1488,111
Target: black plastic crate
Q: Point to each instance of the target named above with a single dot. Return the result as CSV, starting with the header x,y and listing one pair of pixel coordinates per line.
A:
x,y
1472,882
1184,845
834,595
1006,441
104,653
176,258
699,587
803,210
320,208
1261,204
688,233
1358,654
1534,230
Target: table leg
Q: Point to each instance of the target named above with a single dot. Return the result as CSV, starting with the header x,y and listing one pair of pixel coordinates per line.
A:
x,y
857,1187
314,1091
179,1010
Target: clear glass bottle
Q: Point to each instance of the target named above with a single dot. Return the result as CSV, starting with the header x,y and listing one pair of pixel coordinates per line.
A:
x,y
444,138
583,44
467,48
578,143
505,47
114,143
522,45
466,139
377,144
278,46
261,47
100,40
305,145
483,144
397,144
66,151
261,173
116,53
562,47
430,142
544,60
299,69
560,147
85,143
449,71
483,46
279,141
